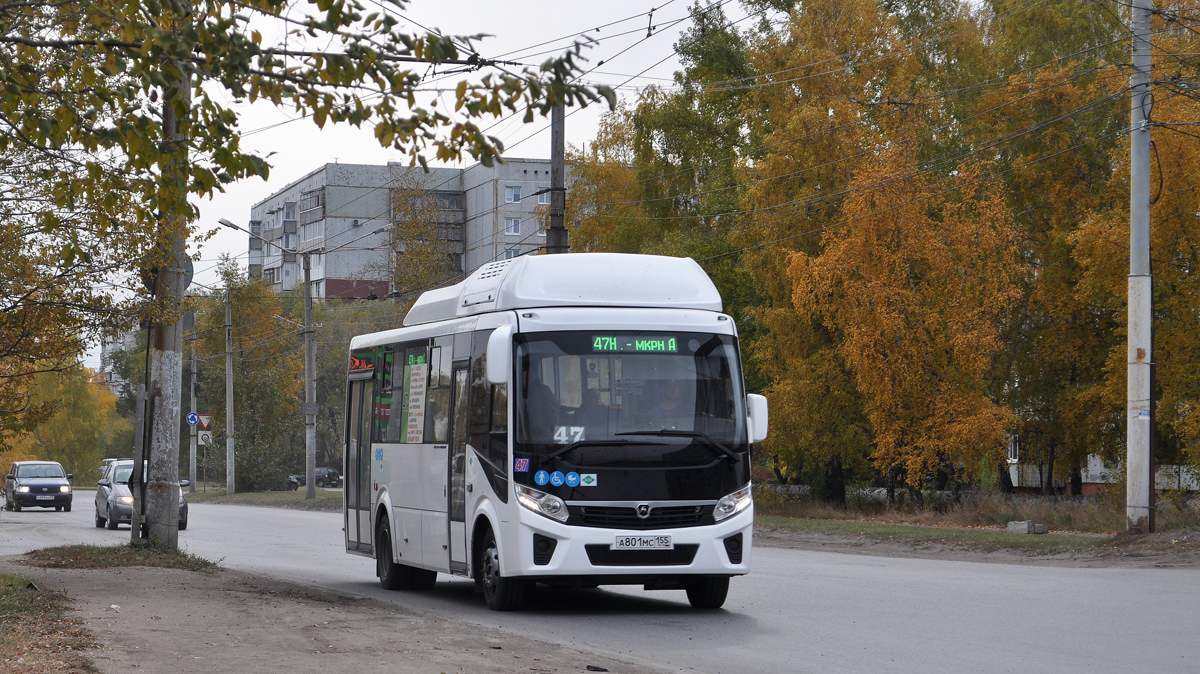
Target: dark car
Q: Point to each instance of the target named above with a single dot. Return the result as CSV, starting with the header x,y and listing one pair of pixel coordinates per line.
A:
x,y
114,501
37,484
324,477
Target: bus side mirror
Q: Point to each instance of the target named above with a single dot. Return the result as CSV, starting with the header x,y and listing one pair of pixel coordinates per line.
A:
x,y
757,407
499,355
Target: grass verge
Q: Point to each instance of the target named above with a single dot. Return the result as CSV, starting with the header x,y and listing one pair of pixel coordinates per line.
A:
x,y
110,556
326,501
35,634
985,540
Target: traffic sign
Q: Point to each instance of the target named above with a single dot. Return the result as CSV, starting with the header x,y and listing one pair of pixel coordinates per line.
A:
x,y
205,421
193,418
204,438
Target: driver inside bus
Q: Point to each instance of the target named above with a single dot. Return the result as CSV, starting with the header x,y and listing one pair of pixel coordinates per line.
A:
x,y
671,413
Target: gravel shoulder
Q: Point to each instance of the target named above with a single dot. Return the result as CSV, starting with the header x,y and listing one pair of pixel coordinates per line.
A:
x,y
153,619
1166,550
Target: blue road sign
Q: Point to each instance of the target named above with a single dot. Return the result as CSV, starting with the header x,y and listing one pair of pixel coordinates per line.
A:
x,y
193,418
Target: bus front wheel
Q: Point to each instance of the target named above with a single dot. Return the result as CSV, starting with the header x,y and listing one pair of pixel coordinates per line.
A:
x,y
708,593
501,593
392,576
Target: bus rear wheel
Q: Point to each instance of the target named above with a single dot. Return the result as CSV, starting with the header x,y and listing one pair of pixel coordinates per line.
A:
x,y
392,576
708,593
501,593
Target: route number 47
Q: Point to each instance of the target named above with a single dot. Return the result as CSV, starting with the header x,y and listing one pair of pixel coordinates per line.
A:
x,y
568,434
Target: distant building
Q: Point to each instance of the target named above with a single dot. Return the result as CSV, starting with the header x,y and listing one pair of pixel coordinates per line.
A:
x,y
485,214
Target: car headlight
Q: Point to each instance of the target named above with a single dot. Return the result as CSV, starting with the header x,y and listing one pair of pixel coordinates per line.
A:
x,y
23,490
66,489
542,503
732,504
127,500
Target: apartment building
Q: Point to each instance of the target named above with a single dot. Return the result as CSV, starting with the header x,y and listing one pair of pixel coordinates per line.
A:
x,y
341,212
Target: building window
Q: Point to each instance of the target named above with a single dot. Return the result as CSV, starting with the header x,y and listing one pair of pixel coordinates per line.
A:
x,y
544,197
448,201
511,253
1014,448
289,211
310,200
512,226
289,241
542,231
512,194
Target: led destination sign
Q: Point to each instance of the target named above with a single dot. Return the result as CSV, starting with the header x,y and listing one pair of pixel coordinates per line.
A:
x,y
634,344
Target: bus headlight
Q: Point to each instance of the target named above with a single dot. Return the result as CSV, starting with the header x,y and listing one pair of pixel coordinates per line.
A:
x,y
127,500
542,503
732,504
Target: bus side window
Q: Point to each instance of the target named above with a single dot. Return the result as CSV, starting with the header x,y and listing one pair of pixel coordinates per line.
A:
x,y
494,448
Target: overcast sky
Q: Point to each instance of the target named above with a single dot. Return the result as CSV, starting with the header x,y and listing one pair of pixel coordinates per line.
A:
x,y
296,146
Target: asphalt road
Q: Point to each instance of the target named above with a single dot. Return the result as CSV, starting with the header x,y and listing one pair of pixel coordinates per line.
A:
x,y
798,611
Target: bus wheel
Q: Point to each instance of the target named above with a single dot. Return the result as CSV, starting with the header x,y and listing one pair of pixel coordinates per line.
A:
x,y
501,593
708,592
392,576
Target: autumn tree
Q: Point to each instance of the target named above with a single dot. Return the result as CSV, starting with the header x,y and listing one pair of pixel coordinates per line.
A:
x,y
82,425
268,380
917,284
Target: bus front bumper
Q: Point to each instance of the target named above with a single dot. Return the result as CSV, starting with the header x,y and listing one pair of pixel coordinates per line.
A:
x,y
721,549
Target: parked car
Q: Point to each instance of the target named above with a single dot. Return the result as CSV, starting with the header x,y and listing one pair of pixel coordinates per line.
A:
x,y
324,477
114,501
37,484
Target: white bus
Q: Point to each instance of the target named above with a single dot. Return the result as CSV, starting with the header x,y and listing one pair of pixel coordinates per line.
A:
x,y
570,420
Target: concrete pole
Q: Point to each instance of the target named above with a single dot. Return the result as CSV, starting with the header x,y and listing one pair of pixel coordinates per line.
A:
x,y
136,479
1140,479
229,473
192,428
310,388
556,236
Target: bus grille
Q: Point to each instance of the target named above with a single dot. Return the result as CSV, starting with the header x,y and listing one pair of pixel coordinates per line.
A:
x,y
601,555
668,517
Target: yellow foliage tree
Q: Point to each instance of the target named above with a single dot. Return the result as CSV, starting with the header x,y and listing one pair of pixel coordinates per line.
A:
x,y
917,285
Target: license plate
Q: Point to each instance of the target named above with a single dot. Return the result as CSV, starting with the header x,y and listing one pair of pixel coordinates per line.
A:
x,y
643,543
48,497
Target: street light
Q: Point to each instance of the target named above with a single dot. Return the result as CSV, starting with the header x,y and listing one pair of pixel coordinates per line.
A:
x,y
310,357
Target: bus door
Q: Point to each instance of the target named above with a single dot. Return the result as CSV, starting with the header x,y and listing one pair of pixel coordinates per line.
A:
x,y
457,505
357,481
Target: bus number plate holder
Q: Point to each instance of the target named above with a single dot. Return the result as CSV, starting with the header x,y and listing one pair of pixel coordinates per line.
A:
x,y
643,543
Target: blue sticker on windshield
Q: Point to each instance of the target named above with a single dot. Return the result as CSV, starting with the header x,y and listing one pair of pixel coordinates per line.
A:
x,y
541,477
522,466
572,479
557,478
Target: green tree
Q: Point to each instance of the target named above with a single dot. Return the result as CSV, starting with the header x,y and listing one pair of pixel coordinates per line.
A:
x,y
268,381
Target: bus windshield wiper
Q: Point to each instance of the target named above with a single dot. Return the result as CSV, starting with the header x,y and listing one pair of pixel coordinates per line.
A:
x,y
594,443
668,433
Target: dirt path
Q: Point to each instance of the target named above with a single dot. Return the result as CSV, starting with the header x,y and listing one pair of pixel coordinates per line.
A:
x,y
182,621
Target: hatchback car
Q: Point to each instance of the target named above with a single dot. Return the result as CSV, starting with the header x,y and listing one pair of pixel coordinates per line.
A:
x,y
37,484
114,501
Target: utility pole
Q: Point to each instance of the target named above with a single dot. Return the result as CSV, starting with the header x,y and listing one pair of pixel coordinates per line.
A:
x,y
556,236
229,474
1139,486
310,388
192,427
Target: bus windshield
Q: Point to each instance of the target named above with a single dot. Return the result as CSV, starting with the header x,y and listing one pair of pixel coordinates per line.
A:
x,y
624,395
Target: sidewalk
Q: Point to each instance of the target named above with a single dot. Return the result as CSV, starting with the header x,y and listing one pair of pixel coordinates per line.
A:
x,y
181,621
